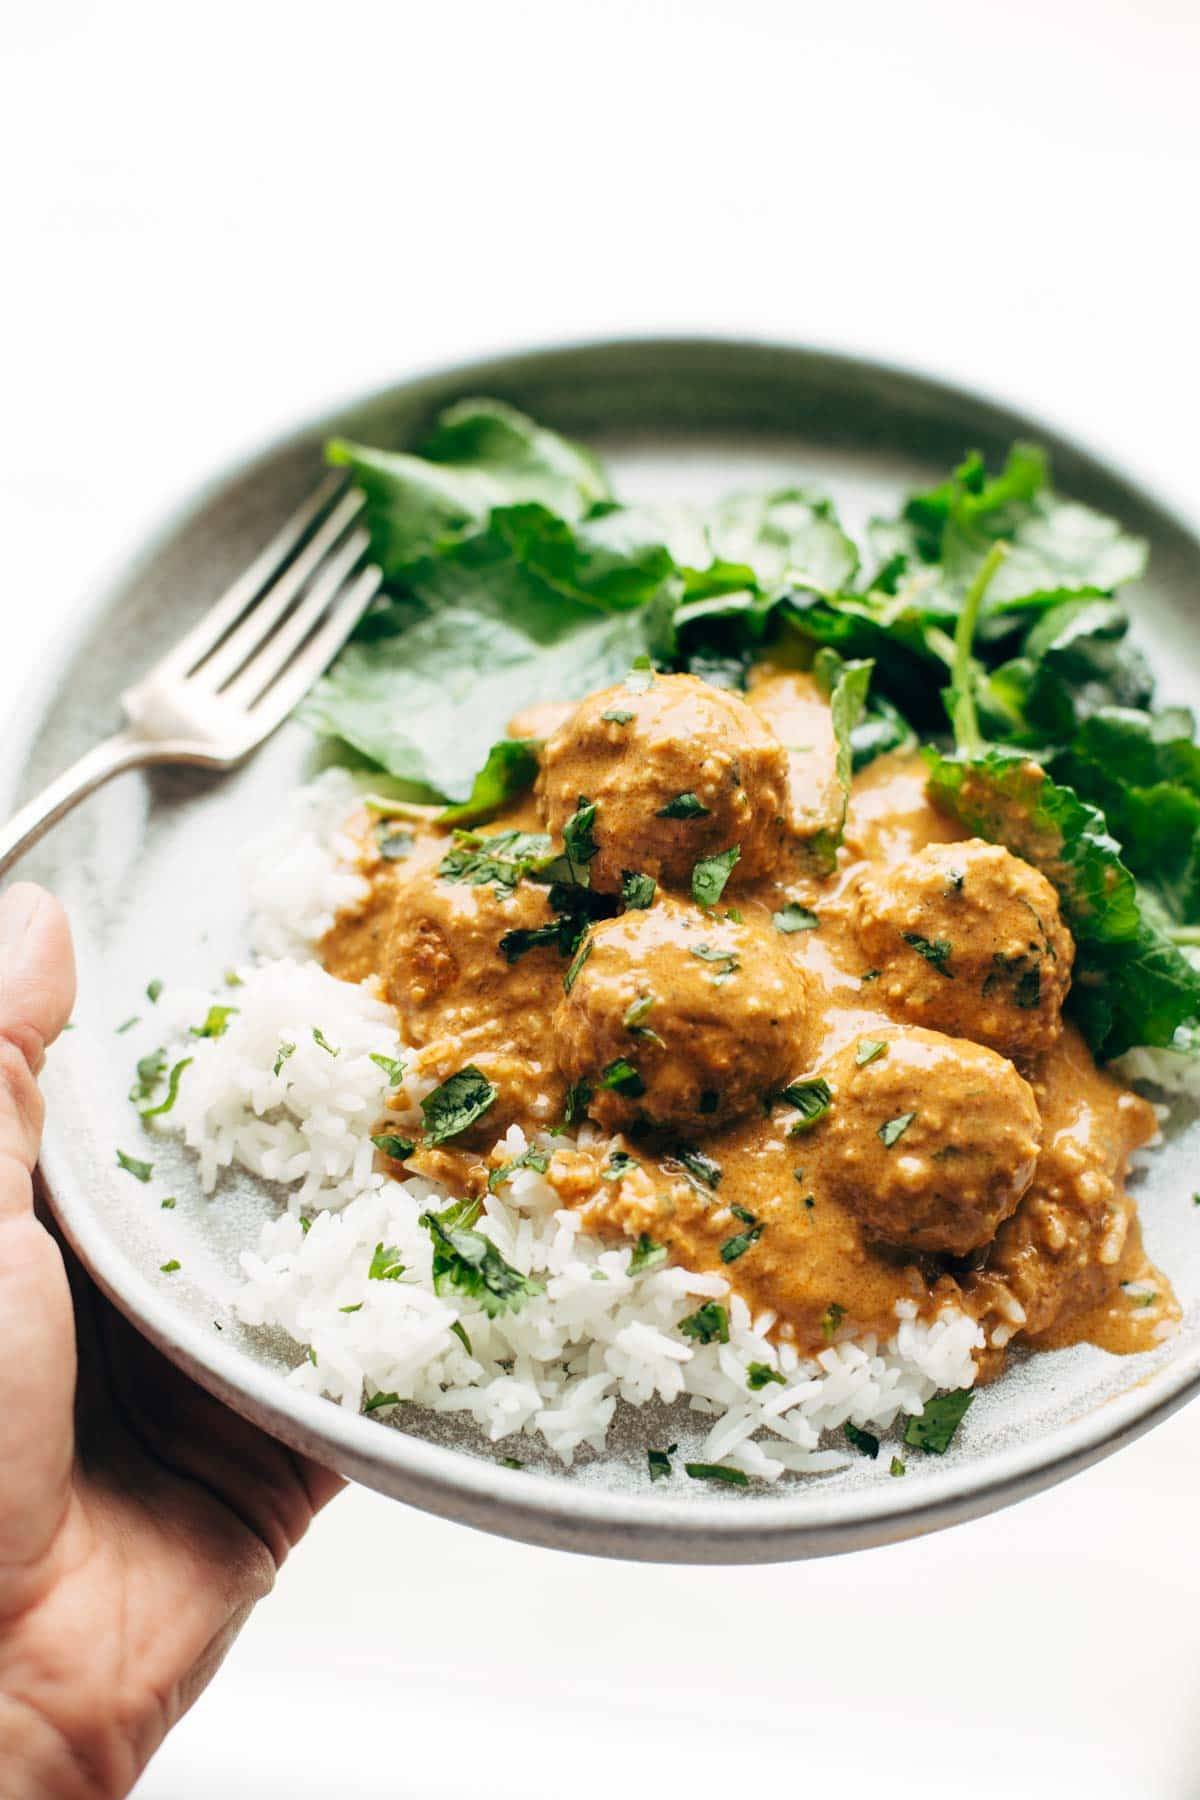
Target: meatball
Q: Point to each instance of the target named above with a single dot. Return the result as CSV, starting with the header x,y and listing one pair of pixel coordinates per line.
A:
x,y
679,770
930,1141
968,939
682,1020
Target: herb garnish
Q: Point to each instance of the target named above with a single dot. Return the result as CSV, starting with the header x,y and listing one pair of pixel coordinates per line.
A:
x,y
616,715
738,1245
502,859
153,990
759,1374
683,806
933,1429
812,1100
398,1148
458,1102
794,917
534,1157
893,1129
831,1319
577,961
711,873
467,1262
717,1472
619,1164
660,1464
646,1254
726,960
869,1050
141,1171
285,1050
385,1264
865,1442
128,1025
936,951
703,1170
172,1094
392,1069
579,840
897,1467
150,1071
709,1324
637,891
322,1042
216,1022
380,1400
579,1096
170,1268
622,1077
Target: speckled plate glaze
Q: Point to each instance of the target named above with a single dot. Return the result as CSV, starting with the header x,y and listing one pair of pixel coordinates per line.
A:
x,y
148,869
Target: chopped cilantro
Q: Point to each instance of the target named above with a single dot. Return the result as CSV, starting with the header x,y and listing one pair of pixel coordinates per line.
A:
x,y
577,961
637,891
172,1094
619,1164
683,806
385,1264
168,1205
616,715
579,839
285,1050
518,942
153,990
727,960
141,1171
398,1148
646,1254
503,859
357,1307
459,1330
893,1129
936,951
869,1050
468,1263
305,1227
392,1069
865,1442
759,1374
579,1096
709,1324
128,1025
393,844
150,1071
702,1169
660,1465
812,1100
458,1102
711,873
169,1268
322,1042
378,1400
897,1467
531,1158
623,1078
795,918
717,1472
216,1022
737,1246
511,1462
233,979
933,1429
312,1356
831,1319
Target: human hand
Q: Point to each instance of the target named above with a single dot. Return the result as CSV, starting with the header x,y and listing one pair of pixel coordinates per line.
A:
x,y
139,1520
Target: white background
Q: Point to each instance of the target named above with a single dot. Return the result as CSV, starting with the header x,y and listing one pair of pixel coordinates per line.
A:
x,y
220,217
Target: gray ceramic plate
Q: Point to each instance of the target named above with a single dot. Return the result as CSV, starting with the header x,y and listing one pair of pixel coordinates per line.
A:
x,y
147,873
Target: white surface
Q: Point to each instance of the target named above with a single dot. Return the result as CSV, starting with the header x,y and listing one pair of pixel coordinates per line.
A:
x,y
222,218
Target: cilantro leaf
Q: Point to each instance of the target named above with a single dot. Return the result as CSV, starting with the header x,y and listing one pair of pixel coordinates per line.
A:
x,y
933,1428
893,1129
759,1374
717,1472
637,891
711,873
172,1094
812,1100
141,1171
216,1022
646,1254
457,1103
709,1324
622,1077
468,1263
794,917
865,1442
385,1264
398,1148
683,806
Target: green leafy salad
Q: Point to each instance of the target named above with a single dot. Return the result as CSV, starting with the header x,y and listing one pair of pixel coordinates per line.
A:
x,y
982,622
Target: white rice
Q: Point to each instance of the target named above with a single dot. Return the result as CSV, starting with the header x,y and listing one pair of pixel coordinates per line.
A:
x,y
595,1337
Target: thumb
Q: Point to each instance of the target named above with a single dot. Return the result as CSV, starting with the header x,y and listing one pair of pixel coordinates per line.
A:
x,y
37,1360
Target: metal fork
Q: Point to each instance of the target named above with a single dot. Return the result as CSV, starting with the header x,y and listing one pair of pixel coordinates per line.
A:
x,y
239,672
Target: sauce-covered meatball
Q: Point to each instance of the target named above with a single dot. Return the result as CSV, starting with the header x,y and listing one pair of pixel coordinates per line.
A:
x,y
682,1020
968,939
679,770
930,1141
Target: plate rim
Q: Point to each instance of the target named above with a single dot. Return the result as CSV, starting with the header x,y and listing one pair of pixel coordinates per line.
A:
x,y
542,1508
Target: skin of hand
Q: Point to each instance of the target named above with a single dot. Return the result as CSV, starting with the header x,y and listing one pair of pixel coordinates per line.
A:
x,y
140,1521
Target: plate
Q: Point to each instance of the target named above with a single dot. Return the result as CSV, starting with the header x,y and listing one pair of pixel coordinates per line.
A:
x,y
148,870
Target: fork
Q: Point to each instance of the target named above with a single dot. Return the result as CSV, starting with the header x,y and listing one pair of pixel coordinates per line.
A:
x,y
238,673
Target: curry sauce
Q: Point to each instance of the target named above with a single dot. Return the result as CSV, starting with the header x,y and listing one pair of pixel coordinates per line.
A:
x,y
838,1076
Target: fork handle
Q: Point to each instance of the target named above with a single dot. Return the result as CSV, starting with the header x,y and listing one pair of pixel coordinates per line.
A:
x,y
94,768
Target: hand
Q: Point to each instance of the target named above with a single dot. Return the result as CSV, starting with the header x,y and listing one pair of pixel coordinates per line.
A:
x,y
139,1520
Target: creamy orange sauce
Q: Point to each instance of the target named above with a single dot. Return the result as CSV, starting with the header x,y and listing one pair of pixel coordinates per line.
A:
x,y
1061,1263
